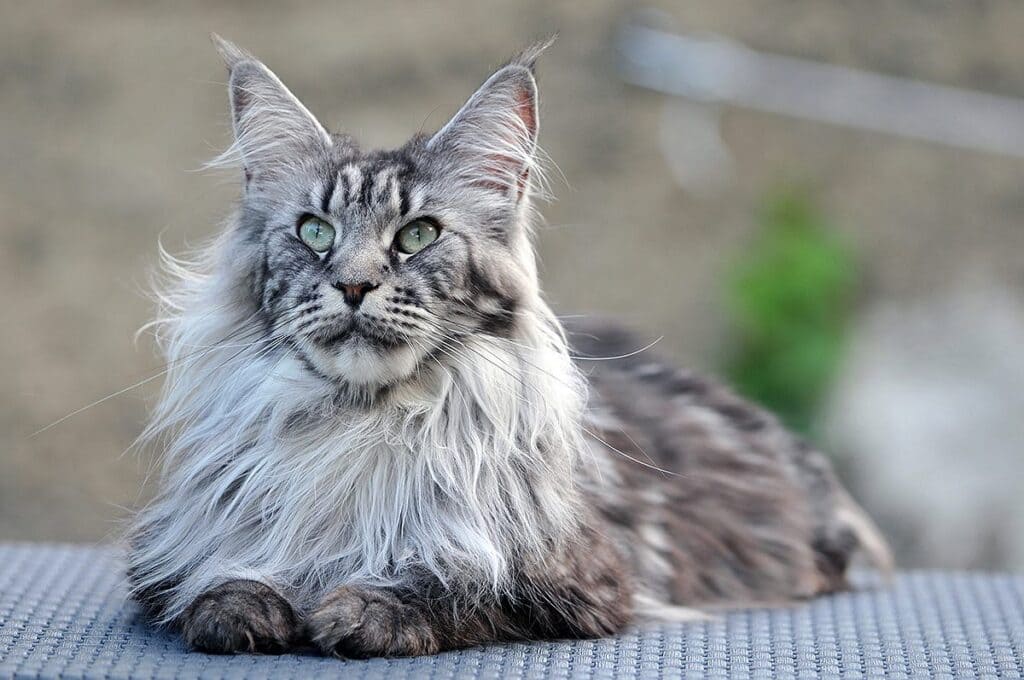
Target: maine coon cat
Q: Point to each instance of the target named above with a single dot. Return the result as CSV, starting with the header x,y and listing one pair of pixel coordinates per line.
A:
x,y
377,440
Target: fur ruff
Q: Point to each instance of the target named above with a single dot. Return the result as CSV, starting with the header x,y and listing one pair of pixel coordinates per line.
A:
x,y
267,475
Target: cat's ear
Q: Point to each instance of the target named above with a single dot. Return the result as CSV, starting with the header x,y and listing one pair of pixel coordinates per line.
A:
x,y
493,137
273,130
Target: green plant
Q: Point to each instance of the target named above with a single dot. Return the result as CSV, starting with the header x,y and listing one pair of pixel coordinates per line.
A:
x,y
789,299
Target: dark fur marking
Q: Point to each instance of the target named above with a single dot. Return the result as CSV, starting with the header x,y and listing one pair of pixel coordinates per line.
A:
x,y
307,296
308,365
370,171
343,188
742,416
261,279
325,203
403,196
310,310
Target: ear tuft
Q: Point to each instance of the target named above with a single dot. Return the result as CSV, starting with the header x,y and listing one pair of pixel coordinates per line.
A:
x,y
231,53
528,57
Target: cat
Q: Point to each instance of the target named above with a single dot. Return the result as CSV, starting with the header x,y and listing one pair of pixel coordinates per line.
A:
x,y
377,439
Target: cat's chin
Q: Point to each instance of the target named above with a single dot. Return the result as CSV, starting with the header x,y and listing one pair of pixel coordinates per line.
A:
x,y
360,362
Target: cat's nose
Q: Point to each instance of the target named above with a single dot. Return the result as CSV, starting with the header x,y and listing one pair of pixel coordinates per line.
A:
x,y
355,292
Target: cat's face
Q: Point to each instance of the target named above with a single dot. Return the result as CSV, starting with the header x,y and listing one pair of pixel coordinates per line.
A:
x,y
372,265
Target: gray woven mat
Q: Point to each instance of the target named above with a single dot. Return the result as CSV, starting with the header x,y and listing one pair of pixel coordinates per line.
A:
x,y
63,614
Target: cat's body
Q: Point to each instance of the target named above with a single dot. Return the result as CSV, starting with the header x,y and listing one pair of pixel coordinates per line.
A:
x,y
714,501
377,438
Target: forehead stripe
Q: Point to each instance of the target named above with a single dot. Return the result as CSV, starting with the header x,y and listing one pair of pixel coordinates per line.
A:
x,y
403,198
366,190
384,187
355,182
340,193
325,203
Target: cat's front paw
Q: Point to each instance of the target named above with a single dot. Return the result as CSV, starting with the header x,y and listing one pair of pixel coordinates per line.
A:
x,y
240,616
359,623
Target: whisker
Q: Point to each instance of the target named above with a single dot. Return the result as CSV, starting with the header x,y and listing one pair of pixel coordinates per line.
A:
x,y
97,403
167,368
575,357
621,356
493,361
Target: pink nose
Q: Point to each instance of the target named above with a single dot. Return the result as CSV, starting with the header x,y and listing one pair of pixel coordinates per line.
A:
x,y
355,292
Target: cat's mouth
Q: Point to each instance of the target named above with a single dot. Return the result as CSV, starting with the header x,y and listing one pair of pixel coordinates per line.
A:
x,y
362,328
362,350
330,337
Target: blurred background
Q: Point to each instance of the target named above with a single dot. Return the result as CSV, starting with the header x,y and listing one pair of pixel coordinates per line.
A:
x,y
867,286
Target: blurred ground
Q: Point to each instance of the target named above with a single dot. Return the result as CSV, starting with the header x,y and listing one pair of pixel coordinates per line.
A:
x,y
108,109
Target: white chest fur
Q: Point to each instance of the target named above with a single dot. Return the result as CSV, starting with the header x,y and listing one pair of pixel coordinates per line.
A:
x,y
454,485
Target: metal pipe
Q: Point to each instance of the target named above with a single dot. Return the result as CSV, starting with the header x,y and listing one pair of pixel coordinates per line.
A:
x,y
716,70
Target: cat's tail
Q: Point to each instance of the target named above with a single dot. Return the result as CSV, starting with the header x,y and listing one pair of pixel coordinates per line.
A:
x,y
871,542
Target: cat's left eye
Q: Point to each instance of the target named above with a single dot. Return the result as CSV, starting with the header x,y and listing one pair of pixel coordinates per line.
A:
x,y
416,236
316,233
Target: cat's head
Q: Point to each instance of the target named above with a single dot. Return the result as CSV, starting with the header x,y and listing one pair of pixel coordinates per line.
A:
x,y
373,263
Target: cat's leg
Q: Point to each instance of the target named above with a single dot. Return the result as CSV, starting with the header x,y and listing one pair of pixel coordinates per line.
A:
x,y
581,593
585,591
241,616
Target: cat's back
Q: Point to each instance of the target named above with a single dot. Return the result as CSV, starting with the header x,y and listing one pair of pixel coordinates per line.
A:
x,y
714,499
671,413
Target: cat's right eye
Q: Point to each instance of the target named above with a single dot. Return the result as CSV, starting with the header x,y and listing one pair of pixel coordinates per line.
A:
x,y
316,233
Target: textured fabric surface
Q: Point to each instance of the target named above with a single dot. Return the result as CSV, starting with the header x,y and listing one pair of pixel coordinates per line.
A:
x,y
63,614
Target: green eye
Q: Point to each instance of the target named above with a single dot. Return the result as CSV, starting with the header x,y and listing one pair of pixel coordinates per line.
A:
x,y
415,236
316,234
